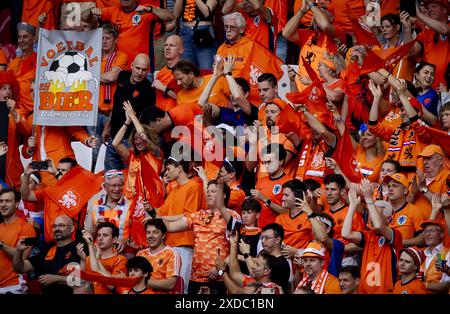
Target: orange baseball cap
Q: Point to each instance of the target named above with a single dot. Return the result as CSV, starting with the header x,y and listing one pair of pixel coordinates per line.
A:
x,y
314,249
433,222
397,177
430,150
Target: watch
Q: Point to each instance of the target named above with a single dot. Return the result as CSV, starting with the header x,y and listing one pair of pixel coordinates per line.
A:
x,y
150,9
424,190
246,255
229,73
268,202
221,272
1,245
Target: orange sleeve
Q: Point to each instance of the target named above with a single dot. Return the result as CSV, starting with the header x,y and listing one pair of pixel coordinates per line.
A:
x,y
27,231
420,131
289,146
121,61
173,262
23,126
193,199
382,131
162,211
120,267
107,14
220,93
78,133
332,286
190,220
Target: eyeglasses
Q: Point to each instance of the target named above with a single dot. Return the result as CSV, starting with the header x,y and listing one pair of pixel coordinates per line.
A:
x,y
115,186
60,226
230,27
262,237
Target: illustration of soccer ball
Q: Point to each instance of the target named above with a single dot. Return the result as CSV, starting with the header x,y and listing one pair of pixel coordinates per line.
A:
x,y
69,62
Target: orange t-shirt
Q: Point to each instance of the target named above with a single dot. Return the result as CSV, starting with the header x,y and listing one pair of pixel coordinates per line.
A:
x,y
116,265
291,167
219,94
118,60
437,185
134,30
332,285
368,169
33,8
339,217
258,30
297,230
24,69
182,200
407,220
210,235
10,234
273,189
379,262
165,76
437,54
414,286
184,114
166,263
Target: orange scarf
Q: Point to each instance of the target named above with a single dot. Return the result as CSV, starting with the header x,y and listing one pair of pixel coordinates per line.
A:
x,y
317,285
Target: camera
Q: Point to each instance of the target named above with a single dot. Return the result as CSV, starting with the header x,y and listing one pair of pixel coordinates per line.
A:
x,y
39,165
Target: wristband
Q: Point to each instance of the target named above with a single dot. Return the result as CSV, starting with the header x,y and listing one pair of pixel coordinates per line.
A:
x,y
229,73
312,215
267,202
127,125
313,4
58,175
150,9
166,91
246,255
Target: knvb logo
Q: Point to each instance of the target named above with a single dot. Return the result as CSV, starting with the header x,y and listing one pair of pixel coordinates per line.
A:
x,y
373,13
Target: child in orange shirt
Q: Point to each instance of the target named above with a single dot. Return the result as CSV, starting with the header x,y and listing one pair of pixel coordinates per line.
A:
x,y
409,264
139,266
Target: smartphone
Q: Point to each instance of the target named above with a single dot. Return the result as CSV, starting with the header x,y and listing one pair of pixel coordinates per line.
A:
x,y
408,6
31,241
39,165
299,193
